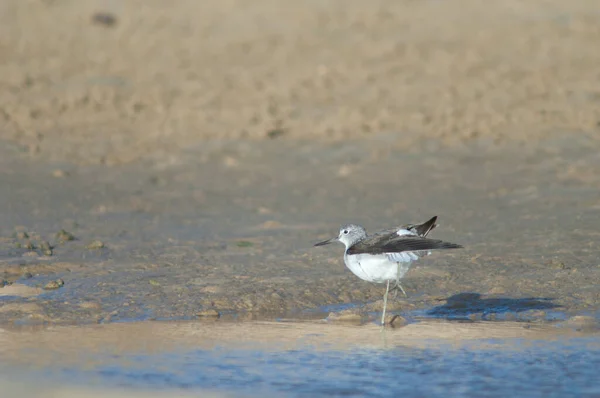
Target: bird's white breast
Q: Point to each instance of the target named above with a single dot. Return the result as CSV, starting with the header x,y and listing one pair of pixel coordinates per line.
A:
x,y
379,268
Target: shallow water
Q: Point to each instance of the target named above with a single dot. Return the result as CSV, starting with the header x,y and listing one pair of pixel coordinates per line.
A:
x,y
310,359
540,369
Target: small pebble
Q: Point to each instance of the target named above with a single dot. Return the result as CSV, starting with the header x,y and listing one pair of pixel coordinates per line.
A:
x,y
95,245
46,248
52,285
275,133
210,313
397,321
58,173
64,236
105,19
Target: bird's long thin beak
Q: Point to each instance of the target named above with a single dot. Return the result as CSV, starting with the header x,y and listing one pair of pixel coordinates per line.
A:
x,y
326,242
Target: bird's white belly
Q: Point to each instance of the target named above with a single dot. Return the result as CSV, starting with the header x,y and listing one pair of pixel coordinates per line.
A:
x,y
379,268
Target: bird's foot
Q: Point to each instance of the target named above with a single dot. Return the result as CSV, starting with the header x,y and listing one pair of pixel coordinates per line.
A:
x,y
398,287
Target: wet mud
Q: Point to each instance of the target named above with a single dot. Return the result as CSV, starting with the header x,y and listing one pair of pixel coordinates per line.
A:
x,y
226,229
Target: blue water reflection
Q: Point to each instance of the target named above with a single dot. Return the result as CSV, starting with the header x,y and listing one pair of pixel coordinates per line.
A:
x,y
497,369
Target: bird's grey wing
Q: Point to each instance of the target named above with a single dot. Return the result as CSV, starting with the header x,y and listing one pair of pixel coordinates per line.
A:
x,y
370,244
399,244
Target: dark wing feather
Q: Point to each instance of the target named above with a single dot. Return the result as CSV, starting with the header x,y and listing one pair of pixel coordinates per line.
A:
x,y
398,244
425,228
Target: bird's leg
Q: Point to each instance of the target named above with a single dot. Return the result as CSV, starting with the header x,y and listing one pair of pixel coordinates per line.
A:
x,y
398,286
387,289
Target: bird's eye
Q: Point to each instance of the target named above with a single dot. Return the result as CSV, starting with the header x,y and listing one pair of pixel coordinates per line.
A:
x,y
345,232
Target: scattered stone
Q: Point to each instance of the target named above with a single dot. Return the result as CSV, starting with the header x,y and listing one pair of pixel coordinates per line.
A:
x,y
275,133
22,235
558,264
396,321
27,275
46,248
95,245
58,173
52,285
209,313
105,19
64,236
29,245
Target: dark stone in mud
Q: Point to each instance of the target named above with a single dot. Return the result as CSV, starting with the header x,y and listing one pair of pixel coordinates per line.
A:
x,y
104,19
45,248
22,235
557,264
397,321
275,133
52,285
64,236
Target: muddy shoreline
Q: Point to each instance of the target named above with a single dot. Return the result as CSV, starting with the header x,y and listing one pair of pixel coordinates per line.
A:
x,y
229,227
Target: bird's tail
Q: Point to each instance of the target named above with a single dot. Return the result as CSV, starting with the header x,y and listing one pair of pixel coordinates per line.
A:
x,y
425,228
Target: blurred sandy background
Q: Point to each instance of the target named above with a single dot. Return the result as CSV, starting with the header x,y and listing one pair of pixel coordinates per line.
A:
x,y
150,77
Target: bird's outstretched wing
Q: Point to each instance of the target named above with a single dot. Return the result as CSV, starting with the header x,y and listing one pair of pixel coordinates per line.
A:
x,y
392,243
